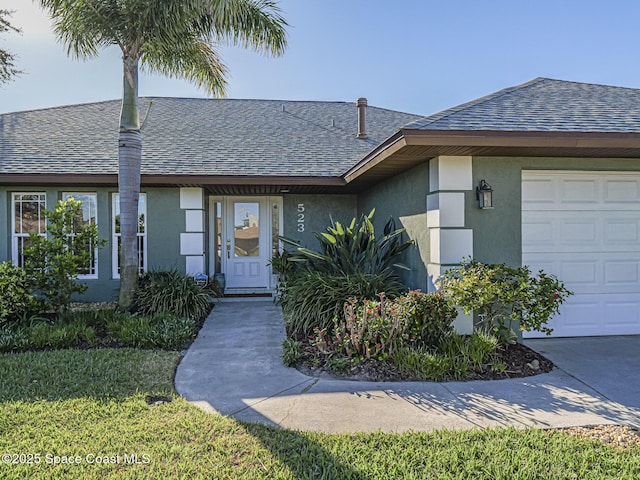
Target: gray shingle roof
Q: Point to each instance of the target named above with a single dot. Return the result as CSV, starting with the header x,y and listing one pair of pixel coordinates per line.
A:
x,y
544,105
197,137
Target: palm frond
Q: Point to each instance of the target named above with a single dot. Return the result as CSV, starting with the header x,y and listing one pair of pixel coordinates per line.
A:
x,y
255,24
191,59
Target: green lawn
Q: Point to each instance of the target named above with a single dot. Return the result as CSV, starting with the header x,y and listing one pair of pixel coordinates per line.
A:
x,y
56,406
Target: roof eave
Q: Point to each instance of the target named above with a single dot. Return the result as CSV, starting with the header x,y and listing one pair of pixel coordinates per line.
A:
x,y
236,183
409,147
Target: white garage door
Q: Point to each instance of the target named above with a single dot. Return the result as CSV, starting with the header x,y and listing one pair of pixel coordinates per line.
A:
x,y
584,227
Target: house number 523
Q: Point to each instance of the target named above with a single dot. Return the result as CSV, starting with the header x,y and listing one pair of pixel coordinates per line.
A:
x,y
301,217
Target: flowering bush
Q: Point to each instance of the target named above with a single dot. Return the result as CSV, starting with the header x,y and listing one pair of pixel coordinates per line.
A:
x,y
501,295
371,329
377,328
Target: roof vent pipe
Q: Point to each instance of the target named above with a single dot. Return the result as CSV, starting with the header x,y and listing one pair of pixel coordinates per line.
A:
x,y
361,103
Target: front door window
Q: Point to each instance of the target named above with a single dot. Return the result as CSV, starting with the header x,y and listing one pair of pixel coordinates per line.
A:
x,y
246,229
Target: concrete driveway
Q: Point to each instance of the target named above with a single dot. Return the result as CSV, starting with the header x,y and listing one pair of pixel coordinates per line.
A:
x,y
608,365
235,368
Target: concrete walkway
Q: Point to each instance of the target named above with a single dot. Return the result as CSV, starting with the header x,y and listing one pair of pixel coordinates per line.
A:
x,y
234,368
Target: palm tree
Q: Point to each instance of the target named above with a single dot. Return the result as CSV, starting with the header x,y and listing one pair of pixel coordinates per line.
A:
x,y
177,38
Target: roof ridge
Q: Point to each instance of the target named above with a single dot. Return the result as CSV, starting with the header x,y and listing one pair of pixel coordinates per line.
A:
x,y
472,103
56,107
588,83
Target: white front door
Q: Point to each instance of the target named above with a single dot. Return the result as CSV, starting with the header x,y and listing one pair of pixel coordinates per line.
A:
x,y
246,243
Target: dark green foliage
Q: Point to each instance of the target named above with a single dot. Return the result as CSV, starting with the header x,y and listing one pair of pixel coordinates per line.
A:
x,y
454,358
13,339
160,331
175,293
353,249
61,334
429,317
291,352
312,300
16,298
98,328
501,296
53,262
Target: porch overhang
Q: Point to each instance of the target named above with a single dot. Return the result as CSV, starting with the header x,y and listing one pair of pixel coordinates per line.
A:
x,y
213,184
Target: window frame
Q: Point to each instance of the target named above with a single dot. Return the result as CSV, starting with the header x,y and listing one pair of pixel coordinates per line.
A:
x,y
15,257
115,261
67,195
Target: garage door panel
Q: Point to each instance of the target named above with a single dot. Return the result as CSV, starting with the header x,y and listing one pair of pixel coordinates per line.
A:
x,y
623,231
621,190
622,273
622,314
578,191
579,317
581,273
584,227
537,232
582,231
609,273
612,314
538,191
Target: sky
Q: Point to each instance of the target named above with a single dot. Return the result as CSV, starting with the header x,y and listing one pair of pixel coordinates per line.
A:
x,y
416,56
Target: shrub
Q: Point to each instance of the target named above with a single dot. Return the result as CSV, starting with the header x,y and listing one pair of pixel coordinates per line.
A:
x,y
501,295
67,334
376,328
16,297
429,317
93,327
353,249
54,261
291,352
174,293
371,329
312,300
160,331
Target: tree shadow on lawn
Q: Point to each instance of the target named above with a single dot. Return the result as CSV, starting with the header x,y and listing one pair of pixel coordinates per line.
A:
x,y
301,452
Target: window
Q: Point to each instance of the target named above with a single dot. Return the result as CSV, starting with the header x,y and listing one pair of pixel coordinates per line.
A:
x,y
142,234
28,217
89,216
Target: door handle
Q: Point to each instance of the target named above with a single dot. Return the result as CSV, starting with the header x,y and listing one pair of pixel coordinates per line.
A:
x,y
228,249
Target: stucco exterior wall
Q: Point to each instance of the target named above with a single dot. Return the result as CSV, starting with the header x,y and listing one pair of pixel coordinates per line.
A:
x,y
497,233
316,211
403,197
166,222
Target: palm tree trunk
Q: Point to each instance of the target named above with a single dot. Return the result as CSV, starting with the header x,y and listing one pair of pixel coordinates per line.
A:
x,y
129,160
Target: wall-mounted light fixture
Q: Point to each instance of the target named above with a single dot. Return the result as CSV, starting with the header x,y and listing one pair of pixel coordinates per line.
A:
x,y
484,194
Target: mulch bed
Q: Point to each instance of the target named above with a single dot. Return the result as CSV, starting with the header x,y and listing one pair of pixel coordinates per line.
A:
x,y
520,361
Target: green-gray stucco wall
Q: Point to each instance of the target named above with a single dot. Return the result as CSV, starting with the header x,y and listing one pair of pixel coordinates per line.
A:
x,y
404,198
165,222
497,233
318,210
